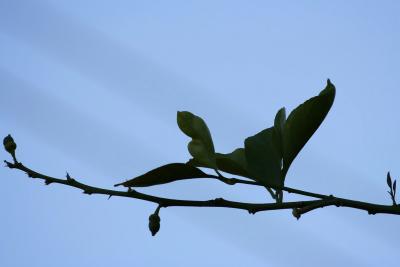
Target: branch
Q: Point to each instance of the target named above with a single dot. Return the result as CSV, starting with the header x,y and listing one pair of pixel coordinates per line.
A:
x,y
297,212
301,206
233,181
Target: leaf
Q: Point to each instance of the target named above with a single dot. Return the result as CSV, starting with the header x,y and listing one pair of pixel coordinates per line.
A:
x,y
264,157
394,188
279,126
389,180
304,121
166,174
233,163
201,146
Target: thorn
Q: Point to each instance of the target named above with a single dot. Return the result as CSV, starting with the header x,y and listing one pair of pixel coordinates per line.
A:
x,y
109,197
129,189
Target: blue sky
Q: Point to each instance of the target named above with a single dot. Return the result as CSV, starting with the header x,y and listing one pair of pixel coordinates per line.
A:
x,y
92,88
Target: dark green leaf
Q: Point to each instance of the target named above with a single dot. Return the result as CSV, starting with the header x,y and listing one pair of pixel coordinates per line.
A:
x,y
279,127
389,180
304,121
166,174
264,158
233,163
201,146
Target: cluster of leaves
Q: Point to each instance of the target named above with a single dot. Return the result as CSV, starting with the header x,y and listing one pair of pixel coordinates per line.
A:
x,y
264,160
265,157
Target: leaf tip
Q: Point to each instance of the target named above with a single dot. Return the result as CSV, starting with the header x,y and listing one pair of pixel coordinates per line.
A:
x,y
184,120
282,110
329,91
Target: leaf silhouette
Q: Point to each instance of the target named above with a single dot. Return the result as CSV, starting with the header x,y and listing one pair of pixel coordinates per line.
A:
x,y
264,157
389,180
303,121
201,146
233,163
279,126
166,174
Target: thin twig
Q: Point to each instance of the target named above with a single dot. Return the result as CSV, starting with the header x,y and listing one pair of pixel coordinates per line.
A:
x,y
218,202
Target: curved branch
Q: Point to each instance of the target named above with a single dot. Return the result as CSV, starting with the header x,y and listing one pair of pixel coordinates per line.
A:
x,y
218,202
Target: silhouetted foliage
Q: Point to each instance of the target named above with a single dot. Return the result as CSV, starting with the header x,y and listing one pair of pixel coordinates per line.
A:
x,y
264,161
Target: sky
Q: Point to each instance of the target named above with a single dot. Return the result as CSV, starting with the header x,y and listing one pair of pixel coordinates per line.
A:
x,y
93,87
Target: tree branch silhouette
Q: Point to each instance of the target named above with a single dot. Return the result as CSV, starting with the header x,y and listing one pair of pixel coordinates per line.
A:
x,y
265,160
300,207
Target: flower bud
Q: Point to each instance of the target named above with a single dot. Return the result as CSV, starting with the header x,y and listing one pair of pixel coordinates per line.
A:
x,y
296,213
154,224
9,144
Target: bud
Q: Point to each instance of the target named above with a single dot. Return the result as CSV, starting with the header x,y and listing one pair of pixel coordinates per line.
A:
x,y
154,224
296,213
9,144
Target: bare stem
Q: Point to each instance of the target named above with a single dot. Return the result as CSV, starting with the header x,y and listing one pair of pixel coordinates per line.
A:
x,y
301,206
